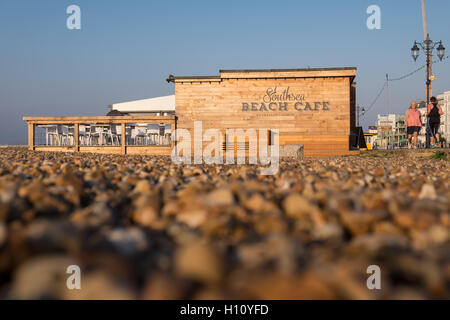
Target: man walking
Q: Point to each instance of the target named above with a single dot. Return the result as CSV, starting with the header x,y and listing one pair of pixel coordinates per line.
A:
x,y
434,113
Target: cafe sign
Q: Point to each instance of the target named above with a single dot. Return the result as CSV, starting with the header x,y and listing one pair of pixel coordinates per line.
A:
x,y
275,100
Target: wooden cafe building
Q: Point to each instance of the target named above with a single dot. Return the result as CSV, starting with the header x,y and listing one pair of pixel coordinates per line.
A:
x,y
314,108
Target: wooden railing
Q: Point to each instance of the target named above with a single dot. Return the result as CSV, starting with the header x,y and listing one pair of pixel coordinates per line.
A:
x,y
117,146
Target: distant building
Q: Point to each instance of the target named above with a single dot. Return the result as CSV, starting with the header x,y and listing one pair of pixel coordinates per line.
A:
x,y
391,131
444,102
371,137
373,129
159,106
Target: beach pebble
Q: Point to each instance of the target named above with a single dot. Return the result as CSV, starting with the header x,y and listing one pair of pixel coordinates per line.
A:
x,y
427,192
128,241
163,286
143,187
296,206
374,243
95,215
220,197
328,232
43,277
192,218
199,262
3,234
146,215
99,284
46,236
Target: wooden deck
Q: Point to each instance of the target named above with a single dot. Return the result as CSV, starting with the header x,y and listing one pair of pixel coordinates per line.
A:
x,y
123,148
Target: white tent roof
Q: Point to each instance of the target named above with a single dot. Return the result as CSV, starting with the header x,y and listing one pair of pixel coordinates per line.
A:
x,y
166,103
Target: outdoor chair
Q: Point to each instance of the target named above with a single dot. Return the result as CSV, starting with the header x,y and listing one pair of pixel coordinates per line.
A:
x,y
82,137
168,138
51,135
70,140
141,135
94,135
58,135
152,134
128,135
114,134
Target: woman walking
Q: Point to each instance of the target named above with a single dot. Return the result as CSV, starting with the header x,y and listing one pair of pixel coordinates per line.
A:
x,y
413,124
434,114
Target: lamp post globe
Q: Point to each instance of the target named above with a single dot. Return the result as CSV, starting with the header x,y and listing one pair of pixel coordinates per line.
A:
x,y
441,51
415,51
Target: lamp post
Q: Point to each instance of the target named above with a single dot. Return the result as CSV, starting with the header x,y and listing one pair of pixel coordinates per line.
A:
x,y
359,112
428,46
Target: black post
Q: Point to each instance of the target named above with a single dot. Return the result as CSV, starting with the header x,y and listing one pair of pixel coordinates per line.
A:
x,y
357,115
428,53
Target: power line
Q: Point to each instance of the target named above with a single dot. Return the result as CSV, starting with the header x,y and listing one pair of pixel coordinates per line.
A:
x,y
417,70
376,99
408,75
398,79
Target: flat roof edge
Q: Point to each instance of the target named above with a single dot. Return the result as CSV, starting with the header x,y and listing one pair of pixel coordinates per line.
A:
x,y
195,77
288,70
346,73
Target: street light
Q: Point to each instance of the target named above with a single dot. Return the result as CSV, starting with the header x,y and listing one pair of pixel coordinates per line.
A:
x,y
441,51
428,46
415,51
360,112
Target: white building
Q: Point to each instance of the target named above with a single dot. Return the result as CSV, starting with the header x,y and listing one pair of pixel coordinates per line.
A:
x,y
386,122
391,131
444,102
160,106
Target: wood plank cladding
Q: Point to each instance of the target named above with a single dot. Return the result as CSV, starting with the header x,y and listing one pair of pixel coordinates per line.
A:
x,y
313,107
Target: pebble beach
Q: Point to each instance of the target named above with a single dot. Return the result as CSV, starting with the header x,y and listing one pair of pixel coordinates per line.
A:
x,y
140,227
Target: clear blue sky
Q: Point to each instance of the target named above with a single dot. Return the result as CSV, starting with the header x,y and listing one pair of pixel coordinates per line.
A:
x,y
126,49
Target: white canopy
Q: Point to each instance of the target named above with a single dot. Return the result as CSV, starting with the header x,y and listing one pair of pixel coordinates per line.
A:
x,y
158,104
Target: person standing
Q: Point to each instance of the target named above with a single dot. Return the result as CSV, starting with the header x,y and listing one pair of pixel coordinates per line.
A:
x,y
434,113
413,124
